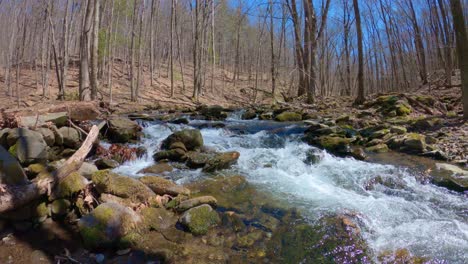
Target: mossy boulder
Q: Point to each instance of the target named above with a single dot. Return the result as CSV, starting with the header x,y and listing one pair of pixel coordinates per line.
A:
x,y
11,171
414,143
107,224
215,112
427,123
380,133
70,185
190,203
121,186
196,160
163,186
379,148
288,117
123,130
200,219
336,145
191,138
403,109
249,114
222,161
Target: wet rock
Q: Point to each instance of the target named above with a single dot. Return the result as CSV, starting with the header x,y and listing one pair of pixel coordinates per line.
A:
x,y
70,185
336,145
249,114
288,117
359,154
180,121
233,221
313,157
379,148
157,168
199,220
162,186
187,204
107,224
48,135
266,116
71,137
171,155
121,186
415,143
451,177
213,112
191,138
222,161
104,163
11,171
122,130
334,239
196,160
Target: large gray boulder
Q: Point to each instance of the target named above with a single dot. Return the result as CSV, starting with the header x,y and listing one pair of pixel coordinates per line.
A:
x,y
29,146
71,137
199,220
48,135
122,130
11,171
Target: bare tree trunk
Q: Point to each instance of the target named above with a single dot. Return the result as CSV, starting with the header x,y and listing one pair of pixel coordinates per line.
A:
x,y
459,25
133,97
64,69
360,98
272,46
171,55
84,53
94,51
111,54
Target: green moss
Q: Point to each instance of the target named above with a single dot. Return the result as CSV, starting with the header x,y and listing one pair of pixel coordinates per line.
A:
x,y
199,219
425,99
13,149
70,185
249,239
41,210
403,109
379,148
121,186
60,206
333,143
288,117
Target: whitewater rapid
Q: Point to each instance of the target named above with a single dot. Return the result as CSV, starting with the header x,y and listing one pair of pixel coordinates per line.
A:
x,y
428,220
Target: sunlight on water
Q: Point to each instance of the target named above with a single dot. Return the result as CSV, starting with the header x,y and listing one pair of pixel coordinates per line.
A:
x,y
427,220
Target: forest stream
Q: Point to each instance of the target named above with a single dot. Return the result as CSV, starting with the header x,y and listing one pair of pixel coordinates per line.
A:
x,y
400,210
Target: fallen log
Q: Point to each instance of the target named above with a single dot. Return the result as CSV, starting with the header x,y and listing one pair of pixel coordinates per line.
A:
x,y
12,197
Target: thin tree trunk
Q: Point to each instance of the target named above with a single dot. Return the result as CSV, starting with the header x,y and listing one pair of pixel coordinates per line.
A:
x,y
360,98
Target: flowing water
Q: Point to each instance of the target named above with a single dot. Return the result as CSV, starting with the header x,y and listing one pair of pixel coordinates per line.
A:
x,y
428,220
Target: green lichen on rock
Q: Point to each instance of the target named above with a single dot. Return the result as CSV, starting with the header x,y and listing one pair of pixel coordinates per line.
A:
x,y
334,144
191,138
403,109
121,186
163,186
190,203
107,224
288,117
158,219
60,207
70,185
199,220
122,130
